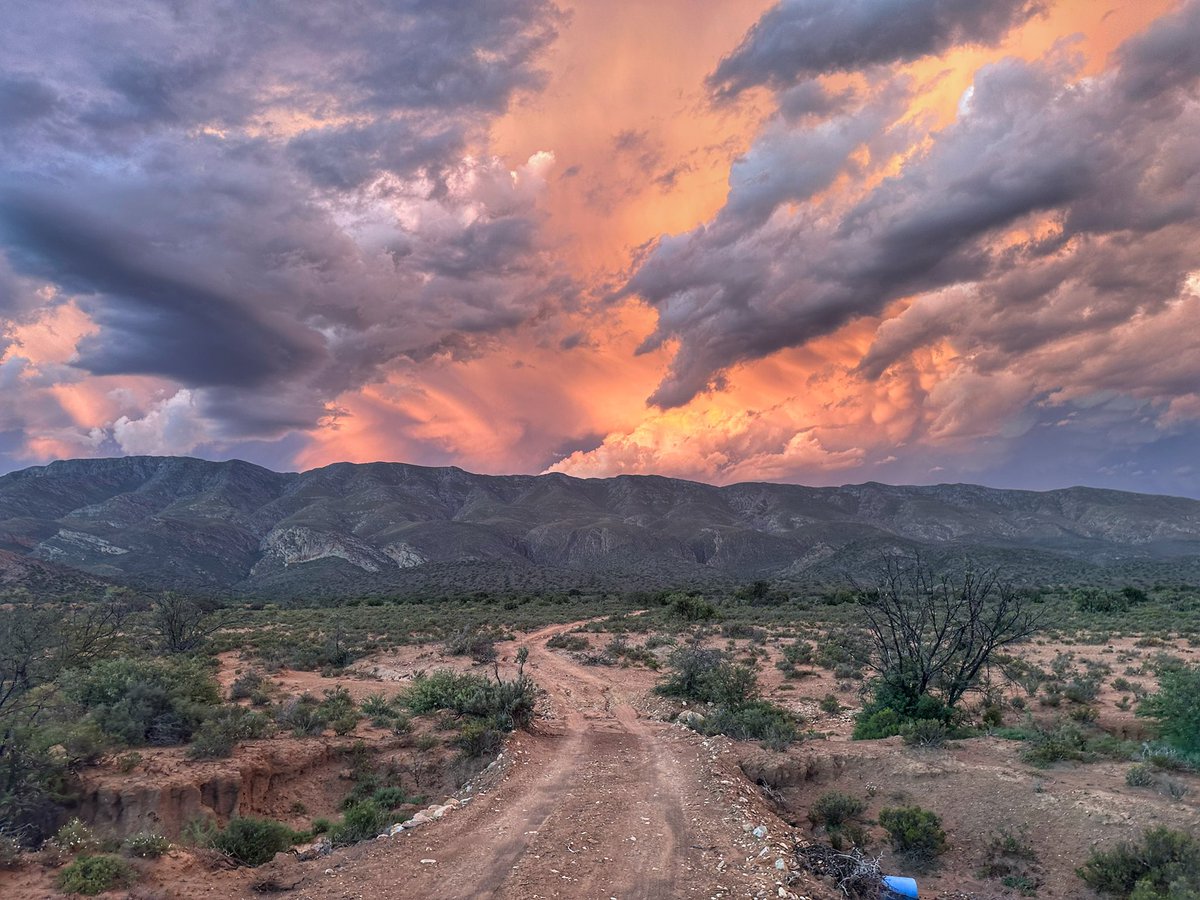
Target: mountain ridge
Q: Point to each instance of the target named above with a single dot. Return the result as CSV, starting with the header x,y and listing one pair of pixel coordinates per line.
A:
x,y
392,527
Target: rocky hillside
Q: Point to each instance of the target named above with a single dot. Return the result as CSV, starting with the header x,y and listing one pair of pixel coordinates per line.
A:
x,y
393,527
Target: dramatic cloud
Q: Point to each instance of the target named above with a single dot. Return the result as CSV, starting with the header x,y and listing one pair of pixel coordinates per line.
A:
x,y
265,203
1112,181
798,39
805,240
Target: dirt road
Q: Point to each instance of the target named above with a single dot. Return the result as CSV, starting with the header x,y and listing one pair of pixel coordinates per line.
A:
x,y
598,802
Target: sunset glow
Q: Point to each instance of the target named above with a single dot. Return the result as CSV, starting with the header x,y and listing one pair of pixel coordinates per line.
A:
x,y
806,241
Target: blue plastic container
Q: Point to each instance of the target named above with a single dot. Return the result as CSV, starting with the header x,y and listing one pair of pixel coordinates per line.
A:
x,y
900,887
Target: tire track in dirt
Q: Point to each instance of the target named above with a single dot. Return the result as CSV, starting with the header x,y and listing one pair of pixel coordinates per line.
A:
x,y
599,803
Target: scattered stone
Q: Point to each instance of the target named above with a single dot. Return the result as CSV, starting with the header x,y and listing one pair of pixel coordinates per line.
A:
x,y
428,862
315,850
760,832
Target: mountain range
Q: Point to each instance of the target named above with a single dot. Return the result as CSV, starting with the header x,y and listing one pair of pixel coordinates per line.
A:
x,y
237,528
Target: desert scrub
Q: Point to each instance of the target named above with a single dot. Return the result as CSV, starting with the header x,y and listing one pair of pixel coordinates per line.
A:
x,y
220,733
830,704
252,686
565,641
479,739
1176,707
146,845
10,850
92,875
756,720
252,842
1009,856
914,832
927,734
834,809
1162,865
76,837
479,644
706,676
360,822
1140,775
138,702
509,704
302,715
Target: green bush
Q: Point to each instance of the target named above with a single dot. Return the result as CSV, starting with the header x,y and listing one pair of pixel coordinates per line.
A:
x,y
565,641
253,842
389,797
1140,775
220,733
95,874
691,608
914,832
479,739
76,837
927,733
509,704
890,712
146,845
362,821
252,686
476,643
1063,742
706,676
302,715
757,720
377,706
1163,865
835,809
1176,707
139,701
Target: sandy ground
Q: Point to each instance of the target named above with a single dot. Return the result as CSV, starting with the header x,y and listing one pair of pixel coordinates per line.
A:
x,y
603,799
599,800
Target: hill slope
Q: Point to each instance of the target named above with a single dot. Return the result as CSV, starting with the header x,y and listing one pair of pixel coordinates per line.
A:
x,y
351,528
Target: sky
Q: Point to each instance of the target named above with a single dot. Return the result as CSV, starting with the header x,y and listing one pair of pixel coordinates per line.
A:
x,y
811,241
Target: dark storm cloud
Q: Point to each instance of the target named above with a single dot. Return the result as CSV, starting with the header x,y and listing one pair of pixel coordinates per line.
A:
x,y
268,202
1120,179
797,39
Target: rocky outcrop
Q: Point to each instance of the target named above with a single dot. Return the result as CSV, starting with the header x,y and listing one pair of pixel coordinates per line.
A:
x,y
167,797
296,544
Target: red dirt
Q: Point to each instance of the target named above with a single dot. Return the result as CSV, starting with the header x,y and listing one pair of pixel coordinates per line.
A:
x,y
597,801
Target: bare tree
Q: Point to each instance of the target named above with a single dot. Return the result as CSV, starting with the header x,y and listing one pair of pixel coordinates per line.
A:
x,y
935,632
182,624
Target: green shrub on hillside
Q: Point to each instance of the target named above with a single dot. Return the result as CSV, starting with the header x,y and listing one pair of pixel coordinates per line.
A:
x,y
1176,707
91,875
253,842
142,701
914,832
1163,865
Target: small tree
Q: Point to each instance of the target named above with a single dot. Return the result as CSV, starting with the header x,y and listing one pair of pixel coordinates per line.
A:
x,y
1176,706
933,633
181,624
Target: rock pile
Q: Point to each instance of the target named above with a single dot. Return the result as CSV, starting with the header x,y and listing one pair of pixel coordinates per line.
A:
x,y
431,813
